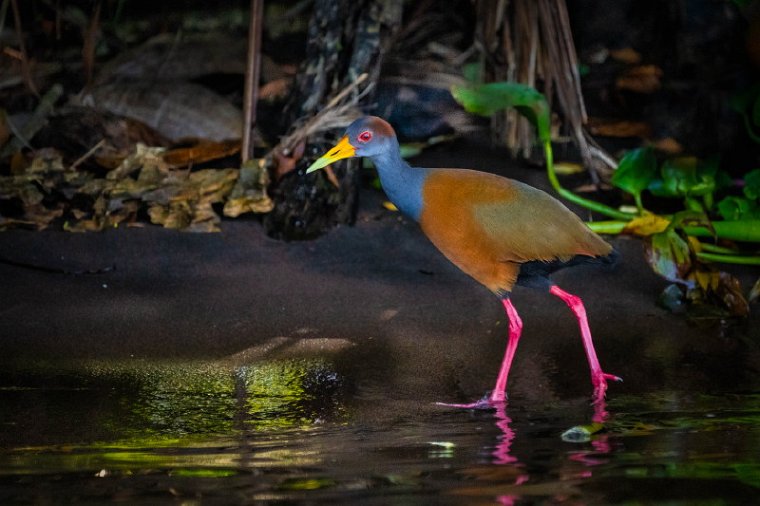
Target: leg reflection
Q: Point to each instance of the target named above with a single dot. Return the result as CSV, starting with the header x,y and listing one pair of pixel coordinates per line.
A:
x,y
502,452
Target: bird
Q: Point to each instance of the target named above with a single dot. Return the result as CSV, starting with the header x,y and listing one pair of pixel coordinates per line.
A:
x,y
500,231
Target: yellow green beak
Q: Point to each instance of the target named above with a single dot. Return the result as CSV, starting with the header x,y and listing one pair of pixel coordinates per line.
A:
x,y
343,149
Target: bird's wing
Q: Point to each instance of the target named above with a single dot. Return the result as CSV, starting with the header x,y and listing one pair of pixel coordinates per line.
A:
x,y
532,225
516,222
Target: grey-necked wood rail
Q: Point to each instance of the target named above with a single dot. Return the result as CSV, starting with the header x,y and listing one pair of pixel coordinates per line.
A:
x,y
499,231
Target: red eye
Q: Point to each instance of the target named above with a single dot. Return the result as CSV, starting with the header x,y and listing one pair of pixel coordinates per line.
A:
x,y
365,136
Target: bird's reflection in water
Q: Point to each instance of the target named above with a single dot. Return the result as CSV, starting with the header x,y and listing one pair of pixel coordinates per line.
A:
x,y
600,443
502,451
502,454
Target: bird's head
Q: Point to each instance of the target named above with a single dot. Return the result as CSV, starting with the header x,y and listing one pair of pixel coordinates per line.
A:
x,y
367,136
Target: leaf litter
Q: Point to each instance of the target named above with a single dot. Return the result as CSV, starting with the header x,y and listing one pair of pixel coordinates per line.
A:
x,y
144,182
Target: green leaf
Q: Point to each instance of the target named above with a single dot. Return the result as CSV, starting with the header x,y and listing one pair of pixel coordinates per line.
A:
x,y
678,174
486,99
739,209
752,185
686,176
636,170
693,205
747,230
669,256
581,433
732,208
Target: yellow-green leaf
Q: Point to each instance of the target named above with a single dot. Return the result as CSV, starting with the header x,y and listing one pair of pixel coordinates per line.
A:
x,y
646,225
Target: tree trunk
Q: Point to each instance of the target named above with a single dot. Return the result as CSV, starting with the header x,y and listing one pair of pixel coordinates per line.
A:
x,y
346,38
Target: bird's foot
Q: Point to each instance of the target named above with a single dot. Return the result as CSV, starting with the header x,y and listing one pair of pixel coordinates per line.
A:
x,y
489,401
599,380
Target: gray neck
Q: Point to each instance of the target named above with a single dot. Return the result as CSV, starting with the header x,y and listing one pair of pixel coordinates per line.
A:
x,y
401,182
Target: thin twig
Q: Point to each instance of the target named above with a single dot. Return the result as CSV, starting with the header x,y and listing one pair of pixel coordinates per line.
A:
x,y
25,132
252,72
572,58
90,36
88,154
601,154
345,91
25,68
334,114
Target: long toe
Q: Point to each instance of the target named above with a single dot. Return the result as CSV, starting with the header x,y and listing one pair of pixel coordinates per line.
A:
x,y
599,380
486,402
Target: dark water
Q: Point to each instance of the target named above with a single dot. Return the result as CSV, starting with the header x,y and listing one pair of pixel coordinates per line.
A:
x,y
299,431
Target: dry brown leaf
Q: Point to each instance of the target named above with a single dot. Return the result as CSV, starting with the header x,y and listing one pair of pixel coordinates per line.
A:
x,y
204,219
212,185
286,162
45,161
276,89
249,193
754,293
668,145
41,216
201,152
640,79
177,110
619,128
168,57
568,168
719,289
143,156
75,131
176,215
729,291
30,196
626,55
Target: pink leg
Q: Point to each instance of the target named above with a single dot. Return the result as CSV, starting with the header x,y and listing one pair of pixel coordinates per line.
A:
x,y
598,378
499,393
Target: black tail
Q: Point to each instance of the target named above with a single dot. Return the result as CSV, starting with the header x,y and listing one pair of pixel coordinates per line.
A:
x,y
535,274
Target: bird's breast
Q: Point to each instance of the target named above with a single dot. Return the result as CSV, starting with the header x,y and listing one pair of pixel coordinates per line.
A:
x,y
451,219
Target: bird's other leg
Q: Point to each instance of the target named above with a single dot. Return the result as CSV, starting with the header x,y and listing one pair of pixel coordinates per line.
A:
x,y
598,377
499,393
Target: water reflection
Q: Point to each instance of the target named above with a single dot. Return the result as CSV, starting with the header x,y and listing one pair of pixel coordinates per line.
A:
x,y
588,457
116,416
294,431
502,452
